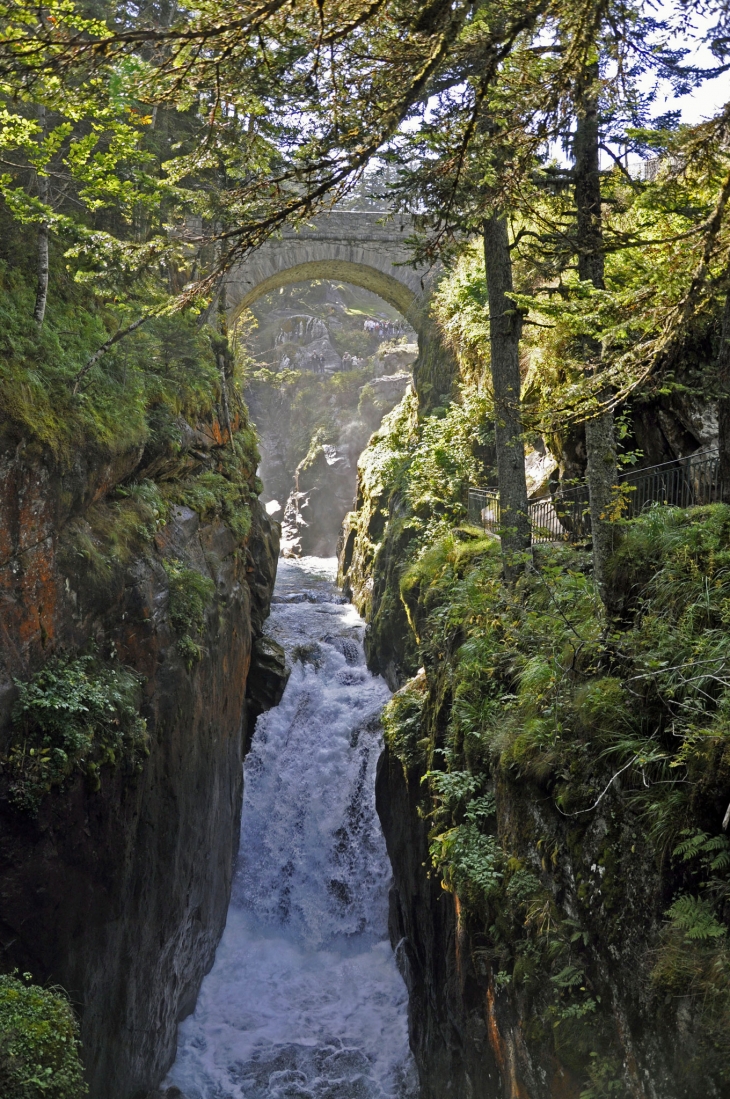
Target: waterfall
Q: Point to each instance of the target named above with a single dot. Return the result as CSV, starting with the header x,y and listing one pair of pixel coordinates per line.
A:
x,y
305,999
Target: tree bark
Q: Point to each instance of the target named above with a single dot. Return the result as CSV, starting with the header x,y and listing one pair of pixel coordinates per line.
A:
x,y
600,435
505,330
723,404
223,357
41,296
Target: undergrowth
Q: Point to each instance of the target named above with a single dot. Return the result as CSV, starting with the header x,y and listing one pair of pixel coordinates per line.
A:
x,y
431,461
104,540
627,720
39,1044
77,714
167,362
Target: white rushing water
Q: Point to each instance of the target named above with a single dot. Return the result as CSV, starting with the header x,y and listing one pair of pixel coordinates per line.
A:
x,y
305,999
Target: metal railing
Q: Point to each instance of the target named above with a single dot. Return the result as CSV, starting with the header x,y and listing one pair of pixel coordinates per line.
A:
x,y
565,516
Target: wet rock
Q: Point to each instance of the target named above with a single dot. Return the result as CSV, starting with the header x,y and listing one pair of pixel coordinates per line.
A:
x,y
308,596
309,654
324,491
120,894
345,645
267,677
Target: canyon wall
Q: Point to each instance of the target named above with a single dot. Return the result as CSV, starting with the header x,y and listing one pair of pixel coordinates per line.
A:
x,y
117,886
537,849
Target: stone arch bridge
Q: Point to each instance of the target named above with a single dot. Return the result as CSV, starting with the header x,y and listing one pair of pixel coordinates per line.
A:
x,y
355,247
344,245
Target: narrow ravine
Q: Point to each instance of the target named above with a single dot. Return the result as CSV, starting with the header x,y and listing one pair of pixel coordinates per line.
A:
x,y
305,999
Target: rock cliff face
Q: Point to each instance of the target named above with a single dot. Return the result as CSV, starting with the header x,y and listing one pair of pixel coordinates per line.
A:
x,y
474,1039
325,480
456,1045
119,894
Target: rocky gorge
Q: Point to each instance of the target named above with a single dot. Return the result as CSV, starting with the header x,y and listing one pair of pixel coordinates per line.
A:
x,y
116,878
329,361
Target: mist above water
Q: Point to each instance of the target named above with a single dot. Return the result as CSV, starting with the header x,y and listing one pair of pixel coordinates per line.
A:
x,y
305,999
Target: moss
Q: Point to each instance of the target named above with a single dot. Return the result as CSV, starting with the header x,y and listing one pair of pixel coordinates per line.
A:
x,y
223,489
189,594
39,1044
100,544
167,363
402,720
617,738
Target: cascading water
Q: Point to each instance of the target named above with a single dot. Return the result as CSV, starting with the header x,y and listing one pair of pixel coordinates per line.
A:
x,y
305,999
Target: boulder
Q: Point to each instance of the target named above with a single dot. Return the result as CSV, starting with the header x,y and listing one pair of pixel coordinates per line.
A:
x,y
267,676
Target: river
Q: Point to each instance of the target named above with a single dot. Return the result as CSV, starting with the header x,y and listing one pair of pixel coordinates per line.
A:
x,y
305,999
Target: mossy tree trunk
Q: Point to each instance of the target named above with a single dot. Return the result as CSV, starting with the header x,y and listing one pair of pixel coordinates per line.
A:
x,y
723,404
600,434
41,297
505,330
223,359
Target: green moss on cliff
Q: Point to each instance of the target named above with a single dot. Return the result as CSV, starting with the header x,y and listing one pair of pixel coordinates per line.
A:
x,y
412,485
131,395
167,363
190,593
576,774
39,1046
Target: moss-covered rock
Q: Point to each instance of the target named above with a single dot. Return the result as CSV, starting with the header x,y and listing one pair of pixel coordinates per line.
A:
x,y
574,779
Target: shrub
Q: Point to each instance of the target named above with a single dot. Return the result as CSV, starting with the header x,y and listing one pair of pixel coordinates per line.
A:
x,y
39,1045
75,714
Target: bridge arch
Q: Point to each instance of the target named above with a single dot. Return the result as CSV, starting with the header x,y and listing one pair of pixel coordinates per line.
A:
x,y
347,246
360,247
395,293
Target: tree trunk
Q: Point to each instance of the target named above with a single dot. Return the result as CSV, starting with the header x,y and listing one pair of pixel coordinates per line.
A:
x,y
223,357
41,296
723,404
505,329
600,436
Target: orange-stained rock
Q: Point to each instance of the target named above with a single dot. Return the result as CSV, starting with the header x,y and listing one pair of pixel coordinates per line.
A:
x,y
120,895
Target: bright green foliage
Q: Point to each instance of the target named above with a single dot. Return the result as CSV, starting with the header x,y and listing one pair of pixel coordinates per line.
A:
x,y
167,367
638,318
387,455
75,714
402,718
92,137
39,1045
695,919
431,461
190,595
469,861
590,725
443,463
460,304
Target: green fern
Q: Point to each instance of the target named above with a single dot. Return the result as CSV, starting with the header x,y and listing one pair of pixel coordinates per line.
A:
x,y
713,851
695,917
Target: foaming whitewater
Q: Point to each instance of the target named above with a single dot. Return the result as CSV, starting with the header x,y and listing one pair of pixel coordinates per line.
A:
x,y
305,999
